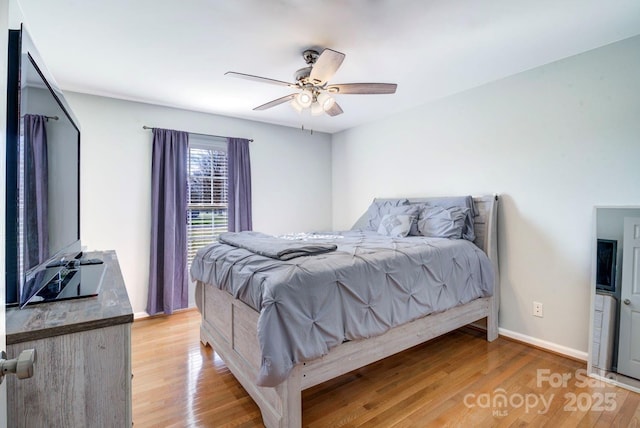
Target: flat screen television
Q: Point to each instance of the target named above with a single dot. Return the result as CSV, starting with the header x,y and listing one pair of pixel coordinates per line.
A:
x,y
606,254
42,184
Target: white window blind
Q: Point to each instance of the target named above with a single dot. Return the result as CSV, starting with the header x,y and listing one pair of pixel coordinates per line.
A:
x,y
208,193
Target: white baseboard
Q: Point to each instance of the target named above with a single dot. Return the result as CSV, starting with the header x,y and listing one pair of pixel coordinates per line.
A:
x,y
554,347
144,314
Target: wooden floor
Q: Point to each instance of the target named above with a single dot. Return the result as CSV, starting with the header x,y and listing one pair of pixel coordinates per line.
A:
x,y
456,380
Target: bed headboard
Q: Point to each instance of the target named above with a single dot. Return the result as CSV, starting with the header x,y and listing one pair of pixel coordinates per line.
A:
x,y
485,224
486,229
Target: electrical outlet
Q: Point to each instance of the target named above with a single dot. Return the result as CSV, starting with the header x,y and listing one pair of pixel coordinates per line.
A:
x,y
537,309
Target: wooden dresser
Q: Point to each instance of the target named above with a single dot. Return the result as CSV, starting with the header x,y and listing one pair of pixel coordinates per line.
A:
x,y
82,374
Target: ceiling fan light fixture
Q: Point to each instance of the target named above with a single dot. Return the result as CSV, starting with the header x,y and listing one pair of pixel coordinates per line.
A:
x,y
325,101
316,109
312,89
304,98
296,105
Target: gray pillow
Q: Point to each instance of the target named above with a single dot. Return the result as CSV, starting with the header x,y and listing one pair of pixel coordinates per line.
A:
x,y
396,225
380,208
468,231
439,222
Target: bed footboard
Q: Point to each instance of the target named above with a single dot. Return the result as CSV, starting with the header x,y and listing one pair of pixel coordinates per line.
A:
x,y
230,327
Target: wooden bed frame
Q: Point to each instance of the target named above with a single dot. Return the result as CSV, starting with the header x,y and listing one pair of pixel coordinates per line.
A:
x,y
230,327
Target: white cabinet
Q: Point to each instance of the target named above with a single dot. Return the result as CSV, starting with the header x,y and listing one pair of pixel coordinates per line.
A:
x,y
604,324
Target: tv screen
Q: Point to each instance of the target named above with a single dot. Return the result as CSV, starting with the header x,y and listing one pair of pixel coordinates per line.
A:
x,y
606,253
43,175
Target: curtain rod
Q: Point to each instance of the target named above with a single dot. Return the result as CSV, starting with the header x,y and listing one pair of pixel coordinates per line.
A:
x,y
49,117
194,133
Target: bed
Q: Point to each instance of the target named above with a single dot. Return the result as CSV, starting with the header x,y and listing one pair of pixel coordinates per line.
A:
x,y
231,324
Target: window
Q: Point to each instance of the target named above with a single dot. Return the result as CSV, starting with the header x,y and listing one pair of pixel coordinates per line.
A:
x,y
208,193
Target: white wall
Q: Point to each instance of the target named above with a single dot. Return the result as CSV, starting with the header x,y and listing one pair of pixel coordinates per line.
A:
x,y
553,142
291,177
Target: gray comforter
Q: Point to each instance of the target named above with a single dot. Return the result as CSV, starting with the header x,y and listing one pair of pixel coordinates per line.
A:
x,y
370,284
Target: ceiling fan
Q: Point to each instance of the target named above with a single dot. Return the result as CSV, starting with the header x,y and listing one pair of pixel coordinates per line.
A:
x,y
312,84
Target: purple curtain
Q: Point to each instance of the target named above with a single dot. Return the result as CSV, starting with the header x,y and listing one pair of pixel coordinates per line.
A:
x,y
36,196
239,167
168,289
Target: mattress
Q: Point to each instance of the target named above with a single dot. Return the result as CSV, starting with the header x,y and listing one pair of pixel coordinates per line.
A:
x,y
368,285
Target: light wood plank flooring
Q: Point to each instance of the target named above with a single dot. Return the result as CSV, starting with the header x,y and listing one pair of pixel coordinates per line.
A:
x,y
456,380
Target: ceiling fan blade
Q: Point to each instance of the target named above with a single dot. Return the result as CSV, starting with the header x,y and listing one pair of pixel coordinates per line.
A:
x,y
363,88
326,66
334,110
259,79
276,102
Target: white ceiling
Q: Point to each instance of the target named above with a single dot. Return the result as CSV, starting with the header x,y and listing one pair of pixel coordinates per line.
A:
x,y
175,53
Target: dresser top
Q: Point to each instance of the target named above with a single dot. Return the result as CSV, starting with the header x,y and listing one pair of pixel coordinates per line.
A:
x,y
110,307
